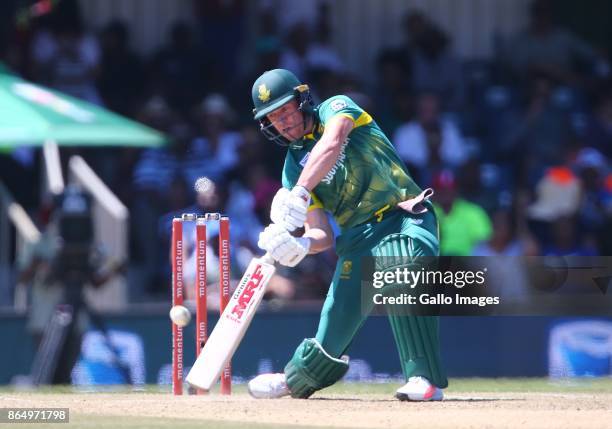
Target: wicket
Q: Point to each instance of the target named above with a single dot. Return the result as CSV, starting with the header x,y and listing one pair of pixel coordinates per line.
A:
x,y
201,285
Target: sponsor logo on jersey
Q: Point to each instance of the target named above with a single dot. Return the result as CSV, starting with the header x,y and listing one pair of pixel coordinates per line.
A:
x,y
347,267
305,160
337,104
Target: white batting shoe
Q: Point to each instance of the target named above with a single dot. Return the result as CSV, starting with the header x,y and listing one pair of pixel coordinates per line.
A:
x,y
268,386
419,389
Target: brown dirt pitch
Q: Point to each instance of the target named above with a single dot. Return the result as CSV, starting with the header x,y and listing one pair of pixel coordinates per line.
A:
x,y
525,403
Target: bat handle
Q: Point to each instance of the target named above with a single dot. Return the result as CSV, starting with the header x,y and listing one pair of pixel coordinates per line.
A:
x,y
268,259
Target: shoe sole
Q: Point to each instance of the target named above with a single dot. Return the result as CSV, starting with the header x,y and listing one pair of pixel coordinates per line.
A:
x,y
404,397
263,397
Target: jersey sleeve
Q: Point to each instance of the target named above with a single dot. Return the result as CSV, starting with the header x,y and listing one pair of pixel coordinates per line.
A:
x,y
343,105
291,172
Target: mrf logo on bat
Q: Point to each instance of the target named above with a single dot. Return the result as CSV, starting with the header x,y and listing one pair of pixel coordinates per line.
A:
x,y
247,294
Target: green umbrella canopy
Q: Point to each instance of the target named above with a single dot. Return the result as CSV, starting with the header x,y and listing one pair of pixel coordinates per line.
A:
x,y
31,114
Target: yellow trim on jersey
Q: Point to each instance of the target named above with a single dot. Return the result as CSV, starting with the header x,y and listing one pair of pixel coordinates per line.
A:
x,y
315,203
380,212
363,119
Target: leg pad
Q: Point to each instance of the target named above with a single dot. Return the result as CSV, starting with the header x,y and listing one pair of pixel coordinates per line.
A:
x,y
312,369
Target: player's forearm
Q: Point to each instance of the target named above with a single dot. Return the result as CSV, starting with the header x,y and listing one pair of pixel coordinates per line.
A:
x,y
321,160
325,153
319,240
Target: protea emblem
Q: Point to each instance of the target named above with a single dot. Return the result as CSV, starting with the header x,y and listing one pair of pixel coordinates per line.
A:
x,y
264,93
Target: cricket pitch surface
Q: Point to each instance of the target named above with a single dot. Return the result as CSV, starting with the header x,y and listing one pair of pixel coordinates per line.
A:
x,y
469,403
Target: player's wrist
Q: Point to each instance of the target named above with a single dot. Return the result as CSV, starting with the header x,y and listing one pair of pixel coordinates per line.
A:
x,y
301,192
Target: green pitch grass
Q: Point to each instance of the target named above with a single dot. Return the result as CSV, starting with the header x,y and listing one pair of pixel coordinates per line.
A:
x,y
456,385
498,385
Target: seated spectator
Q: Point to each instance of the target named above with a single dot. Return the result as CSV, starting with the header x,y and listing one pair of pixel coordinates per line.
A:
x,y
430,141
302,56
433,66
599,131
558,194
221,27
539,137
215,152
121,75
65,57
462,224
153,180
393,96
592,168
504,240
506,270
208,200
293,56
484,184
156,167
321,55
177,70
565,240
547,49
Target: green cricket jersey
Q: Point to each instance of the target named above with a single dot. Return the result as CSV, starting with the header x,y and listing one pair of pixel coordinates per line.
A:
x,y
368,177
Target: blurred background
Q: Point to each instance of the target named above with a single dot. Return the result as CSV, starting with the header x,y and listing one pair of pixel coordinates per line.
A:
x,y
113,108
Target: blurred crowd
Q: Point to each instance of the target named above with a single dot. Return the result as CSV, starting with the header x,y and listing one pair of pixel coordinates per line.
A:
x,y
517,147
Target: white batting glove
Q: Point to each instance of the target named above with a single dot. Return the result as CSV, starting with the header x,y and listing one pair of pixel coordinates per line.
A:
x,y
289,208
283,247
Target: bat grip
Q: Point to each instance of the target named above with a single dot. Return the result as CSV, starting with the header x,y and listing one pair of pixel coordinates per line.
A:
x,y
268,259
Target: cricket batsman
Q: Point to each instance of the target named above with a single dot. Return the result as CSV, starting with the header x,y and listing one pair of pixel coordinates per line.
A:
x,y
339,161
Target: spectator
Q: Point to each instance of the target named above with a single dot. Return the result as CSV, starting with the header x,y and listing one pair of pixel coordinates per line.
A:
x,y
152,181
599,131
121,75
321,55
267,47
558,194
156,167
504,240
304,57
546,49
394,103
430,141
215,151
208,200
506,271
565,240
592,168
433,67
539,137
221,28
483,184
178,71
65,56
462,224
293,56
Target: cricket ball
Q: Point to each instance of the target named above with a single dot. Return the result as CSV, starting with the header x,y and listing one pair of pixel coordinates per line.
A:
x,y
180,315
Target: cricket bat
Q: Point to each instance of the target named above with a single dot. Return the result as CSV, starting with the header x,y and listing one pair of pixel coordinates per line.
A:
x,y
232,324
